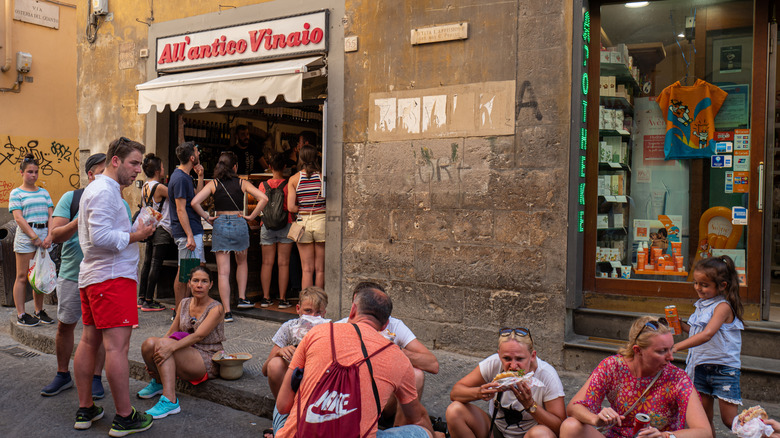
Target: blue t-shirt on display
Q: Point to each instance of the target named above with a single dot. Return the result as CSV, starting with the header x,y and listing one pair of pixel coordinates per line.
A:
x,y
182,186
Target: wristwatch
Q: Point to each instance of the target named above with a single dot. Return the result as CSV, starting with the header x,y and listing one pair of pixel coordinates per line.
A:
x,y
532,409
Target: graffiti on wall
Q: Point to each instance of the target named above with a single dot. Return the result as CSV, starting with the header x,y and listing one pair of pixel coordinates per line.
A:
x,y
58,170
437,169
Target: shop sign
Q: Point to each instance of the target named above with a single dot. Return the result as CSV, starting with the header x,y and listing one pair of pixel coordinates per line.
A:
x,y
584,86
435,34
739,216
720,161
35,12
280,38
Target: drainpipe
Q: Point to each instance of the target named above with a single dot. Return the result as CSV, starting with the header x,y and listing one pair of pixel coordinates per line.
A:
x,y
7,42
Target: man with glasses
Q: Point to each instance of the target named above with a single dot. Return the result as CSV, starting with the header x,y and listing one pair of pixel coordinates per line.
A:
x,y
186,228
108,278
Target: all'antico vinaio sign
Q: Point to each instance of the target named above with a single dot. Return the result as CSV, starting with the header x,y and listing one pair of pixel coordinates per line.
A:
x,y
279,38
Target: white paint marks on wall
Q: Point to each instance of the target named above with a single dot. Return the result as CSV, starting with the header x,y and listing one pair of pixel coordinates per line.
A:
x,y
486,110
387,114
409,114
434,112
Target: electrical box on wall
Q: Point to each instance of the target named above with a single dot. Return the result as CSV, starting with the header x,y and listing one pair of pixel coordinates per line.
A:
x,y
690,28
23,62
99,7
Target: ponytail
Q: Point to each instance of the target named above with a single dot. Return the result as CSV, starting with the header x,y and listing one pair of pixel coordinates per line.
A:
x,y
721,270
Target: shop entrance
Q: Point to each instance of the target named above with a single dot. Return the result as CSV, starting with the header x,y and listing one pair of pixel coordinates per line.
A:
x,y
258,134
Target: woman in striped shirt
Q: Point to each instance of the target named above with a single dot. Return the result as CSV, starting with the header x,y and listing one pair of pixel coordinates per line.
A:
x,y
307,200
32,208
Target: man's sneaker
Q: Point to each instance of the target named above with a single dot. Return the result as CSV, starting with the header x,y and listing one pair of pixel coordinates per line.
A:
x,y
228,316
152,306
244,304
97,388
61,382
265,302
150,390
140,302
133,423
86,416
163,408
43,317
27,320
284,304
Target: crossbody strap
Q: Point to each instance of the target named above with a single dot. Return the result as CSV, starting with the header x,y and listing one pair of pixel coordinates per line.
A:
x,y
496,407
370,370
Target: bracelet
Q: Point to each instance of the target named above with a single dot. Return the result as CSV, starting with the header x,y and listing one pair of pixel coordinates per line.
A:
x,y
37,237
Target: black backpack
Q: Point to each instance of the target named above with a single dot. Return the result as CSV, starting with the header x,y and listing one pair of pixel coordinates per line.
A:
x,y
274,214
56,248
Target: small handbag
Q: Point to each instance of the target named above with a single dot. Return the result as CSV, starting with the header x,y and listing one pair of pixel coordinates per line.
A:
x,y
298,229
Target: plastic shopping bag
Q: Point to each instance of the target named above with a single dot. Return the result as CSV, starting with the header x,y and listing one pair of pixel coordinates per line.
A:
x,y
43,273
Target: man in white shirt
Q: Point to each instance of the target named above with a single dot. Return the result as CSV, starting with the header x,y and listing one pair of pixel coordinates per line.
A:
x,y
107,282
421,358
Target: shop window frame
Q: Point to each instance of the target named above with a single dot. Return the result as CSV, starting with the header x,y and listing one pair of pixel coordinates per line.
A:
x,y
679,289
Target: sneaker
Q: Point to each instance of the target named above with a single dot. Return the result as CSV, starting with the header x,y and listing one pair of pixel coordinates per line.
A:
x,y
163,408
133,423
140,302
97,388
152,306
244,304
228,316
152,389
265,302
61,382
86,416
43,317
27,320
284,304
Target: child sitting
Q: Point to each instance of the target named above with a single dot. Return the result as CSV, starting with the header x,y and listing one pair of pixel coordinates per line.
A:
x,y
311,309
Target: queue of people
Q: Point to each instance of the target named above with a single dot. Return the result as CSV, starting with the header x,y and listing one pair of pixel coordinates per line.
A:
x,y
376,371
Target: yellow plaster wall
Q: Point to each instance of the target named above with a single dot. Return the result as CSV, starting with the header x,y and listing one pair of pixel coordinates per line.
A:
x,y
41,118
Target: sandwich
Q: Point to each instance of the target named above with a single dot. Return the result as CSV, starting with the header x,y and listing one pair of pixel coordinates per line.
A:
x,y
751,413
505,374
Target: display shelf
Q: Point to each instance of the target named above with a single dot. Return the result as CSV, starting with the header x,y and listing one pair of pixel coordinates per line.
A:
x,y
621,199
620,71
617,102
674,273
603,165
623,229
621,132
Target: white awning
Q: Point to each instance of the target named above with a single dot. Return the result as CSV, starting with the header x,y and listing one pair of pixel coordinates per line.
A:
x,y
269,80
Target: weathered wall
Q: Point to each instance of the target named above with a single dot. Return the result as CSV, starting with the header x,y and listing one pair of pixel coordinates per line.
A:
x,y
468,231
41,118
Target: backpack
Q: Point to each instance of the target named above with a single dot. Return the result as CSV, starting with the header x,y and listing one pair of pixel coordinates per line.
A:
x,y
274,214
56,248
334,407
148,203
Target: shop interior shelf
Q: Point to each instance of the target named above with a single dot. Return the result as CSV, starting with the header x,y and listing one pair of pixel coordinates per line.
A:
x,y
622,199
613,166
621,132
675,273
623,229
620,71
617,102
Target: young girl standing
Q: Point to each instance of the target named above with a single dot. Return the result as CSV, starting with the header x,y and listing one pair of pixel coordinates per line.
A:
x,y
714,338
32,208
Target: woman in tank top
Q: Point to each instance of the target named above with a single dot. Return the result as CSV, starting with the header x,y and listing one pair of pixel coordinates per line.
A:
x,y
231,232
307,200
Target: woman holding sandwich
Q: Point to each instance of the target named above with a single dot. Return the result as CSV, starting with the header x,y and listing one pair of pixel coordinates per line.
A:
x,y
525,410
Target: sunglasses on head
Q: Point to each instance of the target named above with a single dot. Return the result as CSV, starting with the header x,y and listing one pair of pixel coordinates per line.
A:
x,y
517,331
654,325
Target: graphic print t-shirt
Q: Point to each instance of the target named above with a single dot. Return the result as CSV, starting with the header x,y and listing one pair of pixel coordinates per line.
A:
x,y
690,119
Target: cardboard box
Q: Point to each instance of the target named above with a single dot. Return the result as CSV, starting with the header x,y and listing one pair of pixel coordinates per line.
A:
x,y
602,221
604,57
605,152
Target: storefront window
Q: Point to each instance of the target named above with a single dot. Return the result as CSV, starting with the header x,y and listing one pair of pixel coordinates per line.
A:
x,y
674,143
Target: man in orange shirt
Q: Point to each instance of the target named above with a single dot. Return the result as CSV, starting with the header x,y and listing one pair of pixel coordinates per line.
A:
x,y
392,371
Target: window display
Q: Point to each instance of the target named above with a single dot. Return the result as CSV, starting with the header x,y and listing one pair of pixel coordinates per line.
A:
x,y
674,141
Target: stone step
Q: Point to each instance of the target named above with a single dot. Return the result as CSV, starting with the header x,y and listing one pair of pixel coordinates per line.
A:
x,y
760,339
758,380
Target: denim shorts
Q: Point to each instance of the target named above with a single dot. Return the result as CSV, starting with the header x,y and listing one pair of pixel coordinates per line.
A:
x,y
718,381
23,244
184,253
231,233
269,237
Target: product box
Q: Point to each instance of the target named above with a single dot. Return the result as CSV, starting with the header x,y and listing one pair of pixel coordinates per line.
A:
x,y
602,186
604,57
623,151
611,81
603,85
602,221
605,152
614,185
618,220
615,57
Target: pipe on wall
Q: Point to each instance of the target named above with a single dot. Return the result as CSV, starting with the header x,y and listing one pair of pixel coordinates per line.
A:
x,y
7,40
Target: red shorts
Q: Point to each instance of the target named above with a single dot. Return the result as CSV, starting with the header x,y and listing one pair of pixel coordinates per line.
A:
x,y
110,304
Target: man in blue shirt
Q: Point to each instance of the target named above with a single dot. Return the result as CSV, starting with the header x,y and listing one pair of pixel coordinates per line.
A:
x,y
186,228
64,229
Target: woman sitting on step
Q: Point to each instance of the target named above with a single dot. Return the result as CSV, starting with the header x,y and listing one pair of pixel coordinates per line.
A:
x,y
185,350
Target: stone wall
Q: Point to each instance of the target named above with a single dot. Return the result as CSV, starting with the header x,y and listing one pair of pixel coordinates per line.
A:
x,y
468,231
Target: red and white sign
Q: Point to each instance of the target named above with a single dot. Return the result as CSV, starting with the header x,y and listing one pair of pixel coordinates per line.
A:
x,y
280,38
